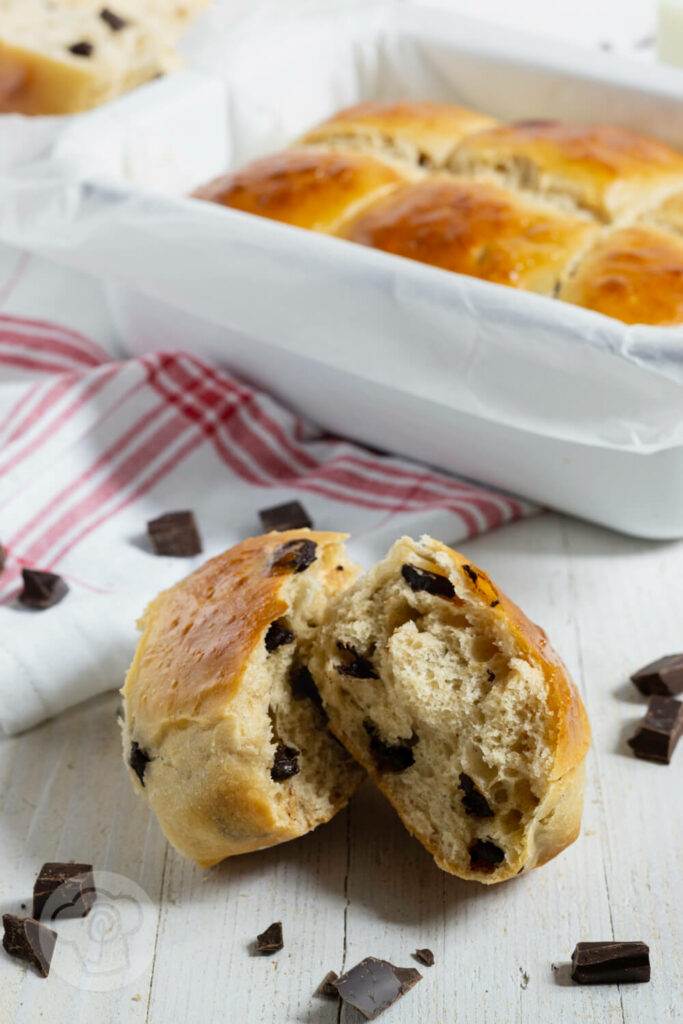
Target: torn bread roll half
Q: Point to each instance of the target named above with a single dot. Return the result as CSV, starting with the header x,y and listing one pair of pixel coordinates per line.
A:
x,y
459,709
224,733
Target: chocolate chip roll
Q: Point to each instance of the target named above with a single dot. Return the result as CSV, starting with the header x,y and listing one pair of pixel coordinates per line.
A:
x,y
224,732
459,709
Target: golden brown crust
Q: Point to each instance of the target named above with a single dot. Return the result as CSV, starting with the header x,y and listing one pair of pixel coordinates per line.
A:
x,y
634,274
424,133
603,168
474,228
308,188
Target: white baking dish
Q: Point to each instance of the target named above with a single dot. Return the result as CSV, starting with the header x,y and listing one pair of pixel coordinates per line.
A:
x,y
556,403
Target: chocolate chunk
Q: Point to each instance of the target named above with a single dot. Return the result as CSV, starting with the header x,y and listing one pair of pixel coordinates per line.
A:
x,y
485,855
431,582
339,568
610,963
29,940
277,636
82,49
294,554
285,763
494,604
115,21
425,956
326,986
175,534
42,589
290,516
270,941
138,760
470,572
73,886
663,678
491,676
390,757
474,801
373,985
358,667
659,731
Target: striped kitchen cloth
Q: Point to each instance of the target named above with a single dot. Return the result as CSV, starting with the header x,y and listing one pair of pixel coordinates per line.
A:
x,y
91,449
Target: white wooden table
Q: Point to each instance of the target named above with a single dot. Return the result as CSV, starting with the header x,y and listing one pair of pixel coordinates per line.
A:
x,y
360,885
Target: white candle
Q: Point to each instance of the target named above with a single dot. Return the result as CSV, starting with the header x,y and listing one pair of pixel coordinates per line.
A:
x,y
670,32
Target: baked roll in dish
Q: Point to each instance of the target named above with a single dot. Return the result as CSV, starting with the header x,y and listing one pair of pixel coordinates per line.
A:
x,y
459,709
607,171
634,274
64,56
418,134
668,215
224,733
307,188
477,229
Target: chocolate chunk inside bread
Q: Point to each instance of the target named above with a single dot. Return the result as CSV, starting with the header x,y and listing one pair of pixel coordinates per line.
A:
x,y
459,709
224,732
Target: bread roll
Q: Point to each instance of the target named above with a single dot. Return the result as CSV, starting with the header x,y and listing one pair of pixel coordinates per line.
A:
x,y
224,734
459,709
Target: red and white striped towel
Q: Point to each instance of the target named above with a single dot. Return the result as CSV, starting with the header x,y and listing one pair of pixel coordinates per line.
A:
x,y
91,449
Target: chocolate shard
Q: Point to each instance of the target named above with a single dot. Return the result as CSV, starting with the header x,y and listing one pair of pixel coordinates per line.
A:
x,y
326,987
64,890
29,940
42,589
425,956
358,667
485,856
373,985
610,963
431,582
290,516
115,21
474,801
294,555
270,941
277,636
175,534
471,573
82,49
138,760
659,731
390,757
662,678
285,763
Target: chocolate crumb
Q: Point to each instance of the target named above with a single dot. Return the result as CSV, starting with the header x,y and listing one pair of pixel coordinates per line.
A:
x,y
471,573
373,985
358,667
474,801
82,49
326,987
30,941
294,554
270,941
42,589
430,582
139,759
115,21
290,516
277,636
66,890
390,757
485,855
425,956
285,763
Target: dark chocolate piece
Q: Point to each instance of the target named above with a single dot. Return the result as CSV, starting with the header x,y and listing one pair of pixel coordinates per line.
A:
x,y
425,956
491,675
294,554
663,678
138,760
68,890
470,572
358,667
431,582
285,763
340,568
474,801
326,987
270,941
659,731
277,636
115,21
610,963
42,589
485,855
494,604
29,940
82,49
175,534
290,516
390,757
373,985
